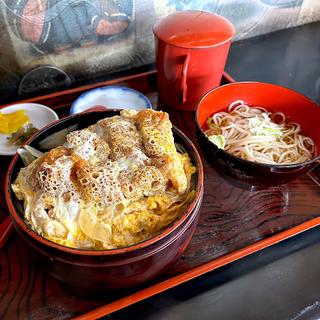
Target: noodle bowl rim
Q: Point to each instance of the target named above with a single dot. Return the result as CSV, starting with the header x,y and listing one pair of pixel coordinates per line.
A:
x,y
259,164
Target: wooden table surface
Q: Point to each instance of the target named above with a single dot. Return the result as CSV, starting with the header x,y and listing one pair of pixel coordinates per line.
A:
x,y
232,217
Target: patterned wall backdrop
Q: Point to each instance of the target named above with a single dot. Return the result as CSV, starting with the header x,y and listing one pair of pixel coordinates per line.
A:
x,y
88,38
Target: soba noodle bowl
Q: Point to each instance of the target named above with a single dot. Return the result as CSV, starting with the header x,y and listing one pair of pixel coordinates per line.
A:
x,y
254,134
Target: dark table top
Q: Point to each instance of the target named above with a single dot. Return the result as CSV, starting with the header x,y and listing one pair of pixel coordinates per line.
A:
x,y
280,282
277,283
290,58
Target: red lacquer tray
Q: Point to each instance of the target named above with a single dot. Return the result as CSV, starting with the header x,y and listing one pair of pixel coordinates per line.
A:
x,y
234,222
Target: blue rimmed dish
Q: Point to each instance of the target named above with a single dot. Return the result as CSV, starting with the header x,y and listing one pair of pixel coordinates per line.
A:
x,y
111,97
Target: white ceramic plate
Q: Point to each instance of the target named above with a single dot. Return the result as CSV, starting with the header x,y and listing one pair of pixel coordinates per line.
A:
x,y
39,116
111,97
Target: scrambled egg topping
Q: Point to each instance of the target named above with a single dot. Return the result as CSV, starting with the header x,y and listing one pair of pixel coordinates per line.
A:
x,y
113,184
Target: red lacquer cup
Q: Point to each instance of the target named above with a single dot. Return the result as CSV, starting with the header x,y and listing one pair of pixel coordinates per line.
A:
x,y
191,53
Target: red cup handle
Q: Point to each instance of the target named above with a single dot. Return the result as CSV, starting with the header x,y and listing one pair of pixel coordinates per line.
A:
x,y
183,85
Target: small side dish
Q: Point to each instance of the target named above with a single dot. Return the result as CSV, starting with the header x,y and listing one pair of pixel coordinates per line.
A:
x,y
21,121
254,134
111,97
111,185
17,126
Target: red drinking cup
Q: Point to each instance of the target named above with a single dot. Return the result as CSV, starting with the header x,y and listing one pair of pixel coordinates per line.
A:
x,y
191,53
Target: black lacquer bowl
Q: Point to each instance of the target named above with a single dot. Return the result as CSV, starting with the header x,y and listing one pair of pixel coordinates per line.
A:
x,y
90,271
274,98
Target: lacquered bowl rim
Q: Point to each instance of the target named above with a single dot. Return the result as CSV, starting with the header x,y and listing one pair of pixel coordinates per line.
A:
x,y
22,224
247,162
199,47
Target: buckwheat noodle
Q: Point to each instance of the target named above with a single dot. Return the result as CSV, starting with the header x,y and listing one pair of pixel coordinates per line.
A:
x,y
254,134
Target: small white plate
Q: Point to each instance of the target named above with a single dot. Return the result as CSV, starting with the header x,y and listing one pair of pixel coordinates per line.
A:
x,y
111,97
39,116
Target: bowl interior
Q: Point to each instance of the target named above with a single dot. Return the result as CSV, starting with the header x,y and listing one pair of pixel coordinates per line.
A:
x,y
295,106
83,121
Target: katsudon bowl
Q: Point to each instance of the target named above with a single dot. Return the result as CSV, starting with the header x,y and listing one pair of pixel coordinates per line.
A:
x,y
94,271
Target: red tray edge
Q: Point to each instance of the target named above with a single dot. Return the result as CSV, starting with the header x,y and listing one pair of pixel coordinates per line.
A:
x,y
84,88
95,85
197,271
185,276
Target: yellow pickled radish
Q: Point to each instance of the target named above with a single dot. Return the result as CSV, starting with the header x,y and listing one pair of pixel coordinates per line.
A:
x,y
11,122
94,229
